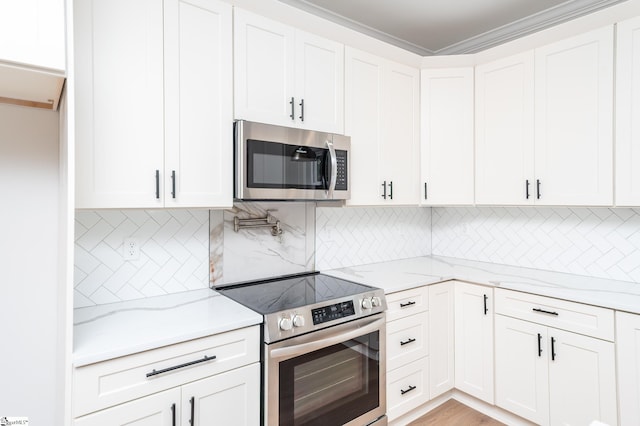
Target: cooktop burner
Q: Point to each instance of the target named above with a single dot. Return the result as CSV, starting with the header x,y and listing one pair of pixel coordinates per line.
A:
x,y
269,296
299,304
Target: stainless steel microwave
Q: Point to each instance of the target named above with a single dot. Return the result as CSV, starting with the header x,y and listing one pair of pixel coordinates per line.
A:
x,y
282,163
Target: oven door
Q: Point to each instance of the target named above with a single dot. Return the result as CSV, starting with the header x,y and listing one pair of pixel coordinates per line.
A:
x,y
335,376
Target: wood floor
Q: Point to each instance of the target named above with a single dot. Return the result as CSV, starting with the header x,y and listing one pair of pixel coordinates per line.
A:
x,y
453,413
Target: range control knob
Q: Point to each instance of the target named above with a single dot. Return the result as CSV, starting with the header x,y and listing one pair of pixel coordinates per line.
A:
x,y
285,324
366,303
298,321
375,301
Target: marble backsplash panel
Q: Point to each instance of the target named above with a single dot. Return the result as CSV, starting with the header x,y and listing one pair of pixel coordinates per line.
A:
x,y
254,253
597,242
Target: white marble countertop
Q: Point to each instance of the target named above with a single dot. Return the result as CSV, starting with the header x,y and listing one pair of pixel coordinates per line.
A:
x,y
117,329
404,274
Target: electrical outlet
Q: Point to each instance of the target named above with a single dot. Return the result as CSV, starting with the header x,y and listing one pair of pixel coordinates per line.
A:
x,y
131,249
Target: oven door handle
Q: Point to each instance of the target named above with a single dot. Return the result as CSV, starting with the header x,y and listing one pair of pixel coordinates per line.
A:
x,y
334,169
304,348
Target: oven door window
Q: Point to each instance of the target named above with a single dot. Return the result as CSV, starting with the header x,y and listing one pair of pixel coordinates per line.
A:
x,y
278,165
331,386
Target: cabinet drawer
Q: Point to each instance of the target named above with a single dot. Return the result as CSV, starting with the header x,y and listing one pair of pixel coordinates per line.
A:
x,y
407,388
407,340
408,302
571,316
108,383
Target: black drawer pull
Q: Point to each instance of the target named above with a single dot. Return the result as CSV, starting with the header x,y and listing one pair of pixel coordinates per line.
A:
x,y
192,420
406,342
175,367
553,349
542,311
403,391
173,415
539,345
486,309
404,305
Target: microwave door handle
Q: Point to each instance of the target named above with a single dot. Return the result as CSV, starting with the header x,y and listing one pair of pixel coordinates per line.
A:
x,y
334,169
304,348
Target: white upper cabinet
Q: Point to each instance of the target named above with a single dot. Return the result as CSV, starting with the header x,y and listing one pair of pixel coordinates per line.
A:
x,y
198,94
447,136
381,116
32,33
285,76
504,131
153,121
119,103
574,120
627,118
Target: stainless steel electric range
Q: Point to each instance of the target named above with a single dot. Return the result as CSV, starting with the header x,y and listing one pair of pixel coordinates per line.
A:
x,y
324,349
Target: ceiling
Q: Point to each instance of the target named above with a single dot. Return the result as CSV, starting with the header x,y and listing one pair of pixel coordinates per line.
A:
x,y
445,27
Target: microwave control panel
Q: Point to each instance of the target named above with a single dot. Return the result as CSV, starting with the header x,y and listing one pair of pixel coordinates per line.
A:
x,y
341,178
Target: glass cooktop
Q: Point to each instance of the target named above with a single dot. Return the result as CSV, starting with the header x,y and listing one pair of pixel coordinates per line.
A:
x,y
280,294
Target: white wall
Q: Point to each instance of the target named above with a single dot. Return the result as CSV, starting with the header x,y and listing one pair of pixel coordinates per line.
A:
x,y
29,190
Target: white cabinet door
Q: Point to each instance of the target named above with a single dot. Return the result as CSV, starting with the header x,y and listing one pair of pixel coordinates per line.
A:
x,y
230,399
628,353
198,103
319,80
287,77
264,70
363,122
627,106
504,131
400,134
573,120
441,338
160,409
582,379
381,116
33,32
474,340
447,136
522,370
119,103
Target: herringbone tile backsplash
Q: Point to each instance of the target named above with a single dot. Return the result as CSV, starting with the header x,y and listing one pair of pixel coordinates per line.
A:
x,y
598,242
359,235
174,254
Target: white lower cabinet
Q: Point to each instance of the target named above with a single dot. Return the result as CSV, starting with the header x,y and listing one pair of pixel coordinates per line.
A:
x,y
206,381
628,352
211,399
441,338
552,376
474,340
407,351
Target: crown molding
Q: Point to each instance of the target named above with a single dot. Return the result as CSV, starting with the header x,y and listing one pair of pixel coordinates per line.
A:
x,y
539,21
357,26
533,23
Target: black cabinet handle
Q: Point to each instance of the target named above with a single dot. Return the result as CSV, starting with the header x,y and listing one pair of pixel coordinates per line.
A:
x,y
157,184
542,311
192,401
425,190
527,188
173,415
173,183
406,342
486,309
409,303
403,391
384,189
293,113
302,110
175,367
539,345
391,190
538,189
553,349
